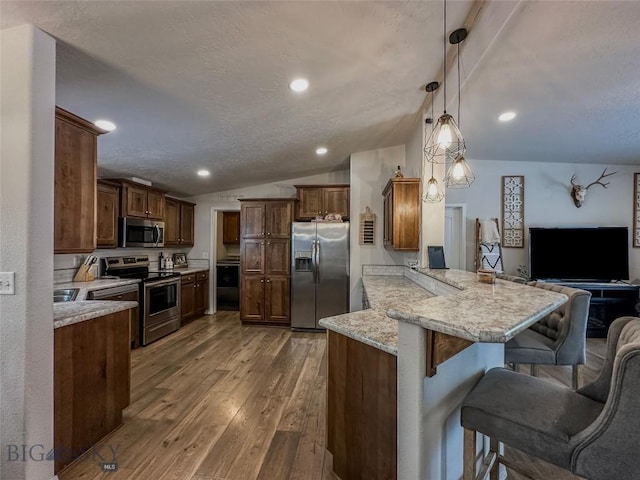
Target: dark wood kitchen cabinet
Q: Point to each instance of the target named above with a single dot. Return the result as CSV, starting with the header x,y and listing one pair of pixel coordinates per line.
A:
x,y
202,293
188,298
107,213
141,201
178,222
194,296
75,190
231,228
402,214
265,260
92,378
320,200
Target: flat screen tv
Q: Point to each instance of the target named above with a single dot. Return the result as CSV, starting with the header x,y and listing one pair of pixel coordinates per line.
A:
x,y
598,254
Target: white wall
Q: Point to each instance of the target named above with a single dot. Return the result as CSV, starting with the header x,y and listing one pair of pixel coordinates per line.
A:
x,y
26,248
370,172
547,201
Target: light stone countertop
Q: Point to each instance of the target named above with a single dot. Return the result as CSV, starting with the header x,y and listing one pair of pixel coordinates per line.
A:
x,y
372,326
68,313
189,270
480,312
476,311
97,284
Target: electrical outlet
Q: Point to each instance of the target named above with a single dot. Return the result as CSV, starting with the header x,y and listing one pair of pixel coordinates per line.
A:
x,y
7,283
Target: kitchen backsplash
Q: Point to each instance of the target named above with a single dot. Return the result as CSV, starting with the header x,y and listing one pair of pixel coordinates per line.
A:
x,y
65,266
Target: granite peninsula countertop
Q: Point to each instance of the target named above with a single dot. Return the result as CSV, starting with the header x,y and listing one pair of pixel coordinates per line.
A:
x,y
372,326
98,284
479,312
472,310
68,313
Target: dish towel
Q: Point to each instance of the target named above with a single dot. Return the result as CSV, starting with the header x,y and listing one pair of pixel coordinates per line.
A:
x,y
489,232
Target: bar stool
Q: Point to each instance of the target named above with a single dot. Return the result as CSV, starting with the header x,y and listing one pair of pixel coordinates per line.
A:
x,y
557,339
593,432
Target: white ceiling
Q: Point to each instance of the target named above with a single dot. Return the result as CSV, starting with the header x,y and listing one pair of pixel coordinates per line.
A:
x,y
204,84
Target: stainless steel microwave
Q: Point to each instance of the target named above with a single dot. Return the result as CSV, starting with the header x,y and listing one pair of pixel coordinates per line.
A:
x,y
139,232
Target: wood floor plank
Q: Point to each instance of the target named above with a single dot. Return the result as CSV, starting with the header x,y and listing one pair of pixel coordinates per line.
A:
x,y
279,459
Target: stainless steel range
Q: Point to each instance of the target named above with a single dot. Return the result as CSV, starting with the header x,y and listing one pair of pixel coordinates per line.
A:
x,y
159,295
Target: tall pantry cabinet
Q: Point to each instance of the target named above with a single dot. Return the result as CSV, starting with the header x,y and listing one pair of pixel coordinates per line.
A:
x,y
265,261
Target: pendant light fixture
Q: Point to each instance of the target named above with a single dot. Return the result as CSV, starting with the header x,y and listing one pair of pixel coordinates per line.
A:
x,y
431,190
445,142
459,174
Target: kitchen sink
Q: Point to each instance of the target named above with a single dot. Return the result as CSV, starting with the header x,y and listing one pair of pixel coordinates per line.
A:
x,y
65,294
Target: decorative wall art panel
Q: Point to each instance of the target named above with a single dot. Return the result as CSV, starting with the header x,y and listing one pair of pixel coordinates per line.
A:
x,y
636,210
513,211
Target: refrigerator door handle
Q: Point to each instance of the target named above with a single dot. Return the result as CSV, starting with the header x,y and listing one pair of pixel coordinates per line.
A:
x,y
317,253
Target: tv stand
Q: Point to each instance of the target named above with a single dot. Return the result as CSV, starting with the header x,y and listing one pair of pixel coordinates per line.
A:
x,y
608,302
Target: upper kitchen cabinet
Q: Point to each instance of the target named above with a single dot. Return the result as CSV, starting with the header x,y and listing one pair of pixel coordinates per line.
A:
x,y
76,146
266,218
140,201
320,200
231,228
402,214
108,211
178,222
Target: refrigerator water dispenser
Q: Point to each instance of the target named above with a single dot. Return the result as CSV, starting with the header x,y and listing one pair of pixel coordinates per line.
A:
x,y
303,262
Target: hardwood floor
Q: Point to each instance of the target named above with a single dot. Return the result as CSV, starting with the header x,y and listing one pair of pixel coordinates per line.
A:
x,y
219,401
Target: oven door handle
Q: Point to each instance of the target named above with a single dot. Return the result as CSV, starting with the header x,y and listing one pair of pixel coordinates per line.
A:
x,y
162,283
157,227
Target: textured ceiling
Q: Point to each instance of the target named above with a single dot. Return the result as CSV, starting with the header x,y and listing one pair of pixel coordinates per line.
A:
x,y
204,84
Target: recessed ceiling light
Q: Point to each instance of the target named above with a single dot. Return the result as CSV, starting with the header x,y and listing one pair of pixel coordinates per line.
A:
x,y
299,85
204,173
507,116
321,150
105,125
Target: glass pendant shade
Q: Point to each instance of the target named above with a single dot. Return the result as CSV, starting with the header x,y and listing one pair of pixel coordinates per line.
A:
x,y
445,142
459,174
432,192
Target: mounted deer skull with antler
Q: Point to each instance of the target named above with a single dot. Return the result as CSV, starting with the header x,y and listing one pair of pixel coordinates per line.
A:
x,y
579,193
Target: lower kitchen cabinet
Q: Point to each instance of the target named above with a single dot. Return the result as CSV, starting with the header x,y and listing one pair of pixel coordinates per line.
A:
x,y
194,296
202,293
92,378
188,298
265,299
127,294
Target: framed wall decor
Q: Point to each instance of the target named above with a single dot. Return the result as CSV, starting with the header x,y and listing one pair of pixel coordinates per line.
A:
x,y
513,211
636,210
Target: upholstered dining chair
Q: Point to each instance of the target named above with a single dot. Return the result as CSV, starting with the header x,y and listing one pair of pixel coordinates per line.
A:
x,y
557,339
510,278
593,432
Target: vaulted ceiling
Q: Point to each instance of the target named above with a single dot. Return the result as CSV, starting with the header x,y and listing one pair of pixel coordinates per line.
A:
x,y
204,84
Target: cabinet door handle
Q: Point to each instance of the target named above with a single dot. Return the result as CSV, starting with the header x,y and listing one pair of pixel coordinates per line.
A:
x,y
262,281
119,296
268,233
261,243
263,234
268,243
268,281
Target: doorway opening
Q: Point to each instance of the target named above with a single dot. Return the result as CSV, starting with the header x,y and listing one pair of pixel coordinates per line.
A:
x,y
225,252
455,236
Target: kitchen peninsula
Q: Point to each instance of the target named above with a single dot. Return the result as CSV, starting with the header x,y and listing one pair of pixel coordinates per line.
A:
x,y
91,373
404,365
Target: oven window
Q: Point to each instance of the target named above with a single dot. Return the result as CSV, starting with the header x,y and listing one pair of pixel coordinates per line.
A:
x,y
162,298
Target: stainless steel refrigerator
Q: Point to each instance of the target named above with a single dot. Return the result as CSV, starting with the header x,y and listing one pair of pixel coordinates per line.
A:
x,y
320,277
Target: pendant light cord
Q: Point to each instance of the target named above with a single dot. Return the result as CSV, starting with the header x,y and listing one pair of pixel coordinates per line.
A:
x,y
432,95
444,51
459,91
